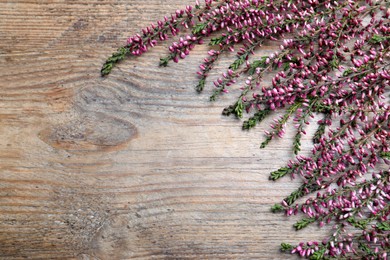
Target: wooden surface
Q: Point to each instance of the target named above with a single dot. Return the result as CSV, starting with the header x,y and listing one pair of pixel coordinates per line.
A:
x,y
135,165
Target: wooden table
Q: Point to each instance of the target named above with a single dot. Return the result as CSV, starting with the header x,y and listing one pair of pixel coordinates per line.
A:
x,y
134,165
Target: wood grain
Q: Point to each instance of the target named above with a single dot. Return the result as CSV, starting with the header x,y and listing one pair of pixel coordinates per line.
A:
x,y
135,165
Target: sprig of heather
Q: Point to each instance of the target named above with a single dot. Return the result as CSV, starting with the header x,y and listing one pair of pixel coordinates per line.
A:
x,y
333,61
151,35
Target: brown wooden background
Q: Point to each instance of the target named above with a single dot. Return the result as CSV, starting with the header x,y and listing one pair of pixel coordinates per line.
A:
x,y
135,165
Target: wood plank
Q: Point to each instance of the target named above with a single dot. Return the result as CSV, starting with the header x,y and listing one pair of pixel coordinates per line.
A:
x,y
135,165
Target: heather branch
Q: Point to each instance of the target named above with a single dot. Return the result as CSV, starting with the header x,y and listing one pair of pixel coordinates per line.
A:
x,y
336,64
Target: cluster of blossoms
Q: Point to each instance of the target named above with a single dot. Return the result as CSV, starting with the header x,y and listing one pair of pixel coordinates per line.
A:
x,y
333,61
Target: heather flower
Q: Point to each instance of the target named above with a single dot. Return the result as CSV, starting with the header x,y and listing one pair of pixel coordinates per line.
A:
x,y
333,60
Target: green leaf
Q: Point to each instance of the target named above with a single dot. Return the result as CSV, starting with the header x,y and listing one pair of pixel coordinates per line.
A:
x,y
256,118
319,133
277,208
218,40
199,28
164,62
362,246
318,255
117,56
257,64
227,111
107,67
237,109
304,189
266,141
376,38
347,72
199,88
297,143
284,247
385,155
361,224
286,66
250,123
237,63
303,223
294,196
275,175
334,63
383,226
